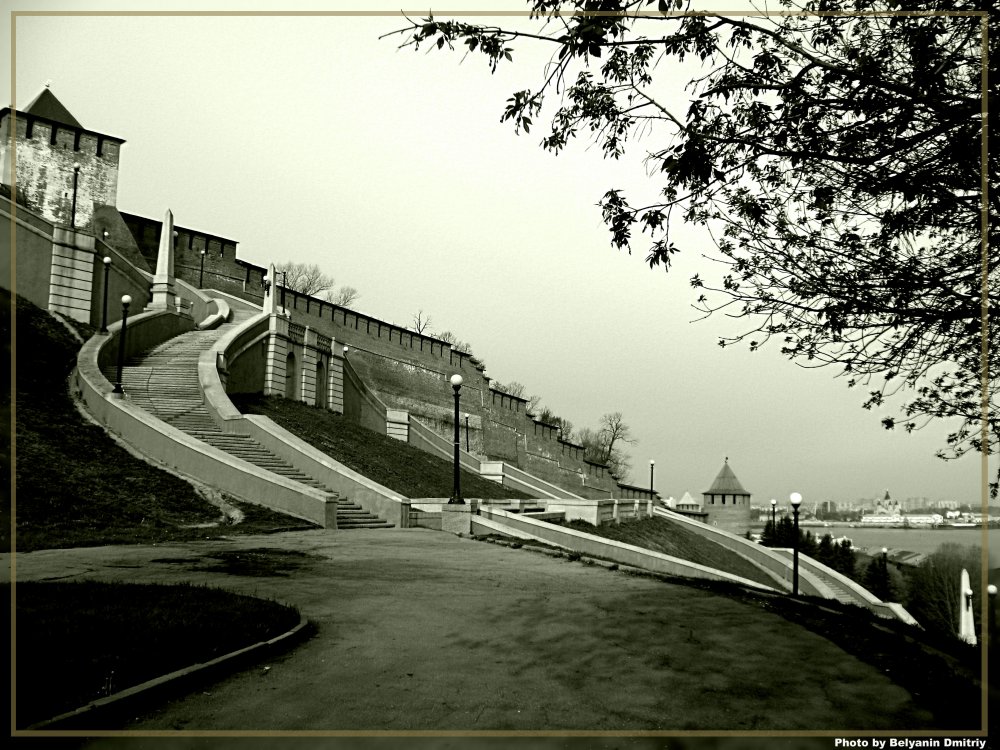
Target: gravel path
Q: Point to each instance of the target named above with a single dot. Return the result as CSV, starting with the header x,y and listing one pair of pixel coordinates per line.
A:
x,y
420,630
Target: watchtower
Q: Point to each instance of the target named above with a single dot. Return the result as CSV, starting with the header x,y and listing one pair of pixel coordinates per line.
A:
x,y
63,170
727,502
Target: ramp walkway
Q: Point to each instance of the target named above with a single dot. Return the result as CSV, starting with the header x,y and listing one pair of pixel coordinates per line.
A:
x,y
164,382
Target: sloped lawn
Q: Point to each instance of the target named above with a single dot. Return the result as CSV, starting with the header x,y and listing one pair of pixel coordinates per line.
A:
x,y
660,535
390,462
78,642
75,485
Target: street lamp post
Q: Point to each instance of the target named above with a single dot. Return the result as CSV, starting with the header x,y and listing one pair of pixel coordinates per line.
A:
x,y
774,523
467,433
652,464
126,301
201,273
72,214
456,494
796,500
104,308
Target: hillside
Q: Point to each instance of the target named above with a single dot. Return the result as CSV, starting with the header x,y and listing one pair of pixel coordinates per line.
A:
x,y
660,535
390,462
74,485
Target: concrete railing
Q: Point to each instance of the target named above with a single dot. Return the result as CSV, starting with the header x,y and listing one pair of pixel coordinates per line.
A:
x,y
177,450
346,482
492,520
870,601
779,566
226,350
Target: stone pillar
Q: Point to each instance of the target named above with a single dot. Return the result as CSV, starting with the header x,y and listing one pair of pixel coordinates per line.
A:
x,y
308,384
397,424
277,352
163,280
71,277
335,377
269,306
457,519
966,623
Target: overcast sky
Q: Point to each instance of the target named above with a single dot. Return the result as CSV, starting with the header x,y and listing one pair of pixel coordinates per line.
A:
x,y
310,139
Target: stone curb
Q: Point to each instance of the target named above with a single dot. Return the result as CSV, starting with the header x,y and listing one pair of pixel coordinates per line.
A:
x,y
111,708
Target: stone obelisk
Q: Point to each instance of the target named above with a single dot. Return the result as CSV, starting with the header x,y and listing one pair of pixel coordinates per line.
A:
x,y
269,287
966,622
163,280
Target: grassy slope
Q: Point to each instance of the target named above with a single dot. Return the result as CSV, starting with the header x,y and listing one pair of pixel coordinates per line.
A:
x,y
76,486
661,535
390,462
100,638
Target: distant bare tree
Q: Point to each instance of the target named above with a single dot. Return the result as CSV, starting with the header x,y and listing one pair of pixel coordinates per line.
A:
x,y
342,297
512,388
309,279
304,278
547,416
421,323
456,343
604,444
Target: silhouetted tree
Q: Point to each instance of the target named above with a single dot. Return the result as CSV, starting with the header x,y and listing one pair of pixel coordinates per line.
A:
x,y
835,155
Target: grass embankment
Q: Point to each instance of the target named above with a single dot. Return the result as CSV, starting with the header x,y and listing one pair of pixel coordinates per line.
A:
x,y
78,642
660,535
75,485
390,462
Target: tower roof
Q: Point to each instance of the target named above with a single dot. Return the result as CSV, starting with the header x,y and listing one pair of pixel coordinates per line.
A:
x,y
726,483
46,105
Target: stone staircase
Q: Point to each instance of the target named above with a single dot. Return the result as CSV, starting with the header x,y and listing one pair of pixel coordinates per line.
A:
x,y
841,592
164,382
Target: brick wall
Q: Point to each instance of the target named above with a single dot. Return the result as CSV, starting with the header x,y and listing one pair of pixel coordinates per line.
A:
x,y
728,512
405,369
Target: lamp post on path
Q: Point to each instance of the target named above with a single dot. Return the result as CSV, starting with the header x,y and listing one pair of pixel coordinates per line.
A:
x,y
456,494
652,464
72,212
104,307
126,301
201,273
796,500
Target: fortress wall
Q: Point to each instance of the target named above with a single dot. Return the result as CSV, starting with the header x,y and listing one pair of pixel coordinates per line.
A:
x,y
32,254
221,269
407,370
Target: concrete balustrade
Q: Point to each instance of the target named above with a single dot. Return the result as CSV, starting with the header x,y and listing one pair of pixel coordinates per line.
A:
x,y
495,520
370,495
778,564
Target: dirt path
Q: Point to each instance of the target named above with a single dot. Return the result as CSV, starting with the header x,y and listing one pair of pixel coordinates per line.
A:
x,y
419,630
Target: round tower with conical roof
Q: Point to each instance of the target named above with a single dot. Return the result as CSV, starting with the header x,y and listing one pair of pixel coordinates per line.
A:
x,y
727,503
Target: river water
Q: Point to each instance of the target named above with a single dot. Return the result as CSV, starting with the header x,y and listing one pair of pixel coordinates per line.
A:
x,y
912,540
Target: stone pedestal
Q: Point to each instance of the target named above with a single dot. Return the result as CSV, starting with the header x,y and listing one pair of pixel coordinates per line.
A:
x,y
457,519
